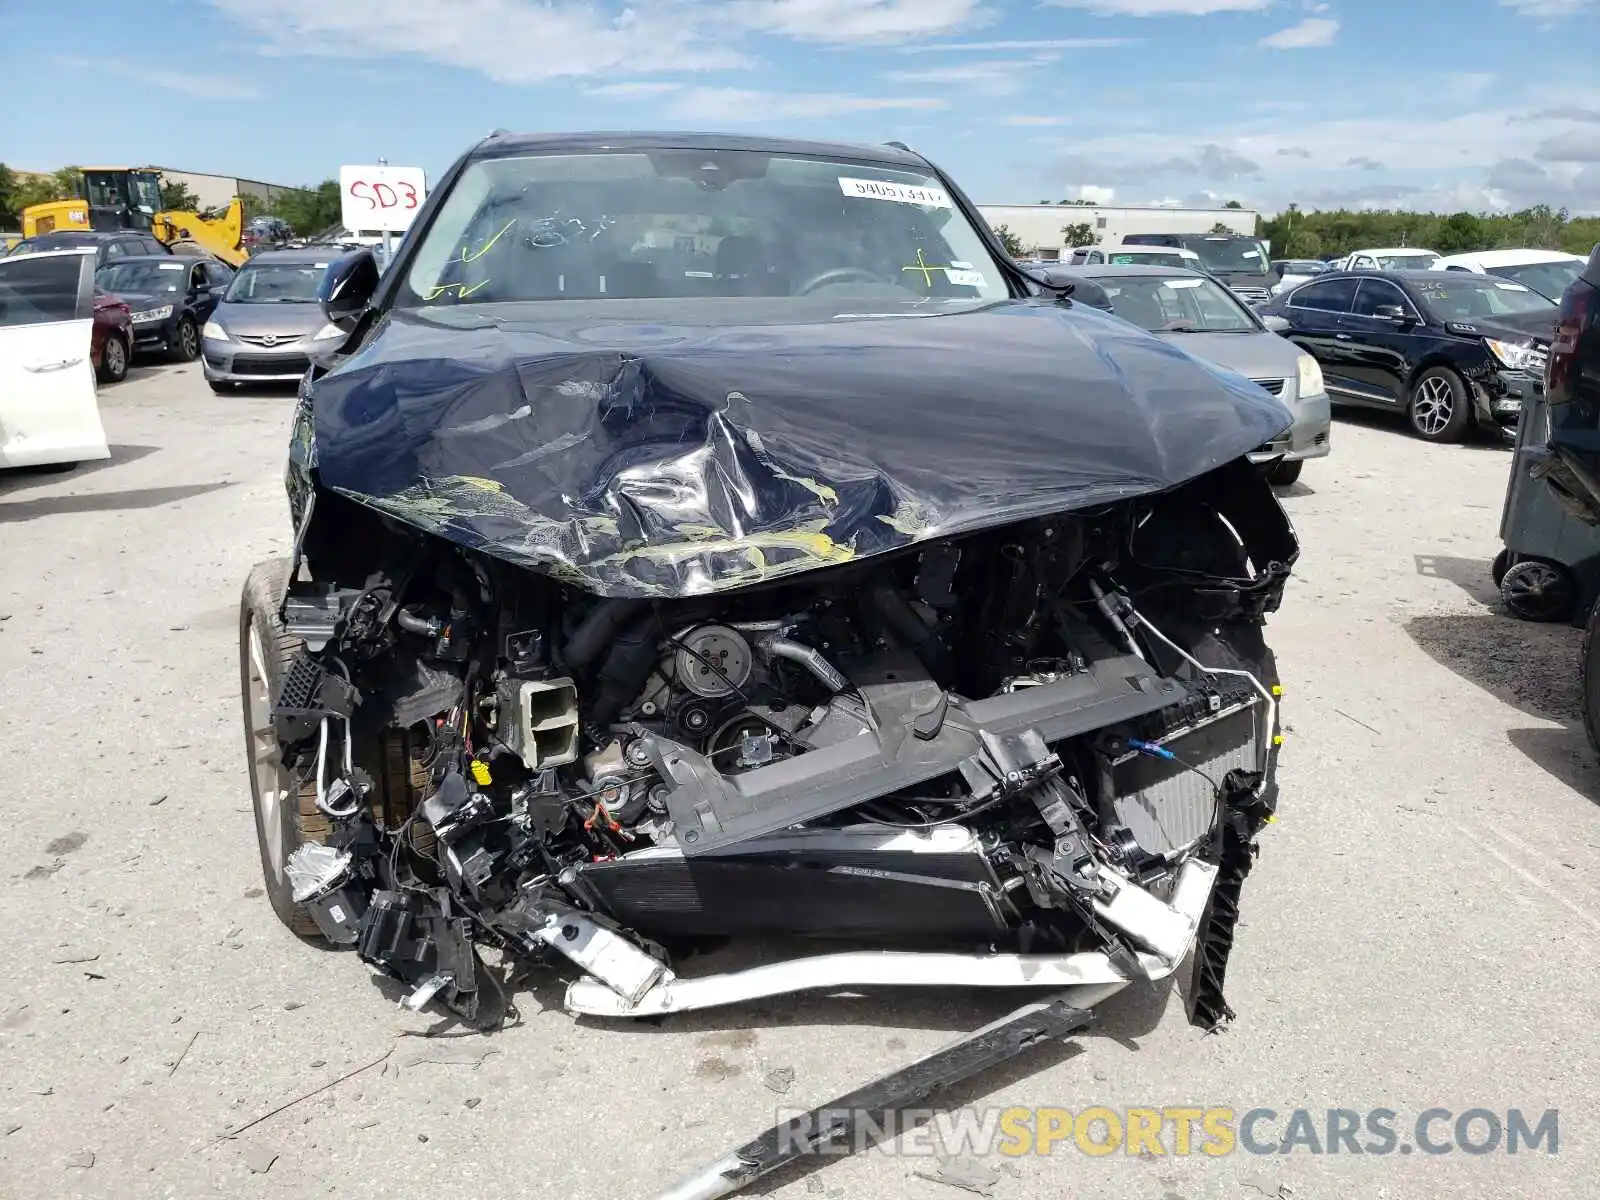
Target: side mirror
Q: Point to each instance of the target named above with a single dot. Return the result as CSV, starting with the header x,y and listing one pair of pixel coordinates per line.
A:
x,y
348,287
1275,323
1392,312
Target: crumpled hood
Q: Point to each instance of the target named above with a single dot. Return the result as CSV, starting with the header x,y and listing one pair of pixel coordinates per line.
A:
x,y
659,460
1513,327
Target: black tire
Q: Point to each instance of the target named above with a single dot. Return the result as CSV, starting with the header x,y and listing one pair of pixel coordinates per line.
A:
x,y
1501,564
394,760
1286,473
185,342
1440,408
114,358
1536,589
292,818
1589,670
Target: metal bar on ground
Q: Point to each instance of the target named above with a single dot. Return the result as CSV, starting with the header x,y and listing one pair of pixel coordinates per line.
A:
x,y
831,1125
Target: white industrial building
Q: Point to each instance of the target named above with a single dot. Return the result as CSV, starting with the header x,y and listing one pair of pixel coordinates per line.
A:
x,y
214,191
1040,226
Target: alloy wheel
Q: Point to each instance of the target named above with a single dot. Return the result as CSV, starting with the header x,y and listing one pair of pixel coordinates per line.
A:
x,y
116,358
1432,406
188,341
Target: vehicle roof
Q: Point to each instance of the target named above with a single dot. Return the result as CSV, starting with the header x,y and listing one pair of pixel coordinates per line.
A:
x,y
1140,248
1510,258
61,253
155,258
1137,270
1415,250
88,235
505,144
297,254
1410,274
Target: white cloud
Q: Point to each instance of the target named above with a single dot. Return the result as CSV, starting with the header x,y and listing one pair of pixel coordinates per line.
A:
x,y
1161,8
996,78
1549,9
1442,162
510,41
1029,121
1095,195
740,105
1040,44
857,20
633,90
1313,31
219,87
532,41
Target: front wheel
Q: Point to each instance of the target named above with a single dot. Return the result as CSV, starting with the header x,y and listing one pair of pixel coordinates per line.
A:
x,y
1440,409
285,810
113,359
186,344
1286,473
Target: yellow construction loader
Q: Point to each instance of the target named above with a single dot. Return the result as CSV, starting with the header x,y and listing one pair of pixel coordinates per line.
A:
x,y
112,198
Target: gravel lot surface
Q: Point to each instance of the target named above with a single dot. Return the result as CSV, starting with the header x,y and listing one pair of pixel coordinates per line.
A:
x,y
1420,931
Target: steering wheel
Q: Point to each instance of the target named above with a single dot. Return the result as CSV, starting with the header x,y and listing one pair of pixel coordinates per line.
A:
x,y
838,275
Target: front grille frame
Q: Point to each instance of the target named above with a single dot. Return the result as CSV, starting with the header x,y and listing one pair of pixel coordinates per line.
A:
x,y
265,365
1275,386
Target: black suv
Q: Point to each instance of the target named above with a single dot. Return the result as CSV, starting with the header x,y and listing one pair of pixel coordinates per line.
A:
x,y
1448,349
108,247
1237,261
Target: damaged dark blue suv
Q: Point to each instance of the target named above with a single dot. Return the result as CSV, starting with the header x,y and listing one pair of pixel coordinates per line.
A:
x,y
707,537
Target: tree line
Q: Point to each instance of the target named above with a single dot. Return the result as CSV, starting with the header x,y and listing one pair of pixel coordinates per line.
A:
x,y
307,210
1331,233
1324,233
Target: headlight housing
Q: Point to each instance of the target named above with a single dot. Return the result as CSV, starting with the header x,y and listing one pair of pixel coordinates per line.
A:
x,y
1512,355
152,314
1310,377
215,332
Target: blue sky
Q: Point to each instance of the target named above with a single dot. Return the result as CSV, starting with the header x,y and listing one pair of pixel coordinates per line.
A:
x,y
1477,104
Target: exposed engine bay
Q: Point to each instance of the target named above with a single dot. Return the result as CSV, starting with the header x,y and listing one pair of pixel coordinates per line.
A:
x,y
1039,753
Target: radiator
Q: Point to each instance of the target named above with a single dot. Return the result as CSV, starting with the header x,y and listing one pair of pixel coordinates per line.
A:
x,y
1169,807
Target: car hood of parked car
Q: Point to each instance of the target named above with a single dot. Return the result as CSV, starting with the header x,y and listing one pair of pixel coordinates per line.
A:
x,y
285,319
738,443
1253,355
139,301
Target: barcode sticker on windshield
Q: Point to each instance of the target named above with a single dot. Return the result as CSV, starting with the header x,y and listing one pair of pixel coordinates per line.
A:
x,y
1181,283
900,193
170,266
964,278
1511,287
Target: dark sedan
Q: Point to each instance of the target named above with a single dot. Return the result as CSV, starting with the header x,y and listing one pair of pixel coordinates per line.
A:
x,y
171,298
1448,349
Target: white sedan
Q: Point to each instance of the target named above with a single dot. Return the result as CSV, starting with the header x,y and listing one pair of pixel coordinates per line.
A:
x,y
49,414
1547,272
